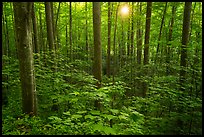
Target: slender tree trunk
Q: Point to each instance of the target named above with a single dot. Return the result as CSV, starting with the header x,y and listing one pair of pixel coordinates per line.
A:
x,y
14,31
183,61
50,37
70,30
22,13
56,28
128,39
7,34
185,37
132,33
52,19
168,49
146,47
160,32
97,65
35,31
114,43
147,33
109,40
86,31
139,35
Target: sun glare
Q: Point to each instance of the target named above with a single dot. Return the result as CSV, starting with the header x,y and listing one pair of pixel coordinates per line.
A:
x,y
125,10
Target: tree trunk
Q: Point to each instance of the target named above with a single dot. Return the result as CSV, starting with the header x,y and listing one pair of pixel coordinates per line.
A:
x,y
147,33
185,37
109,40
97,67
35,31
132,33
22,14
86,31
160,32
183,61
114,43
146,44
70,30
50,37
139,35
56,35
168,49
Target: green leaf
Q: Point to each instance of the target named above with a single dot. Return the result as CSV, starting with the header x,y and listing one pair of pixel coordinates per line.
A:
x,y
109,130
114,111
67,113
90,116
122,117
95,112
76,116
109,117
81,112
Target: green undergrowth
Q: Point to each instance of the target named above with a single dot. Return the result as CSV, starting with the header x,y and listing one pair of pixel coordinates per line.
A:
x,y
66,105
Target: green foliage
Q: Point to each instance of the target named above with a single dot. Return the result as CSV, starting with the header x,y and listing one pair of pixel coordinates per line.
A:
x,y
67,91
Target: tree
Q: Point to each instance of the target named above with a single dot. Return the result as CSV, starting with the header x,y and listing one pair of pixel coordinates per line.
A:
x,y
146,43
97,64
139,34
70,30
183,61
185,37
109,40
49,22
132,33
22,15
160,32
35,30
114,42
168,49
147,33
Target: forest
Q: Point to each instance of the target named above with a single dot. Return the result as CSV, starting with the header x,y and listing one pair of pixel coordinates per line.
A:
x,y
101,68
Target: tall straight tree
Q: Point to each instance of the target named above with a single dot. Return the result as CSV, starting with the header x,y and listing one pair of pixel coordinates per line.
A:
x,y
139,34
109,40
70,30
132,32
160,32
147,33
146,43
22,15
35,30
183,61
168,49
49,22
114,43
97,64
185,37
86,33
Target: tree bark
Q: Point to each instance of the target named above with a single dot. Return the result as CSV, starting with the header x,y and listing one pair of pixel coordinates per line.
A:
x,y
160,32
146,47
114,43
185,37
35,31
132,33
50,37
97,65
147,33
139,35
183,61
109,40
168,49
70,30
22,14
